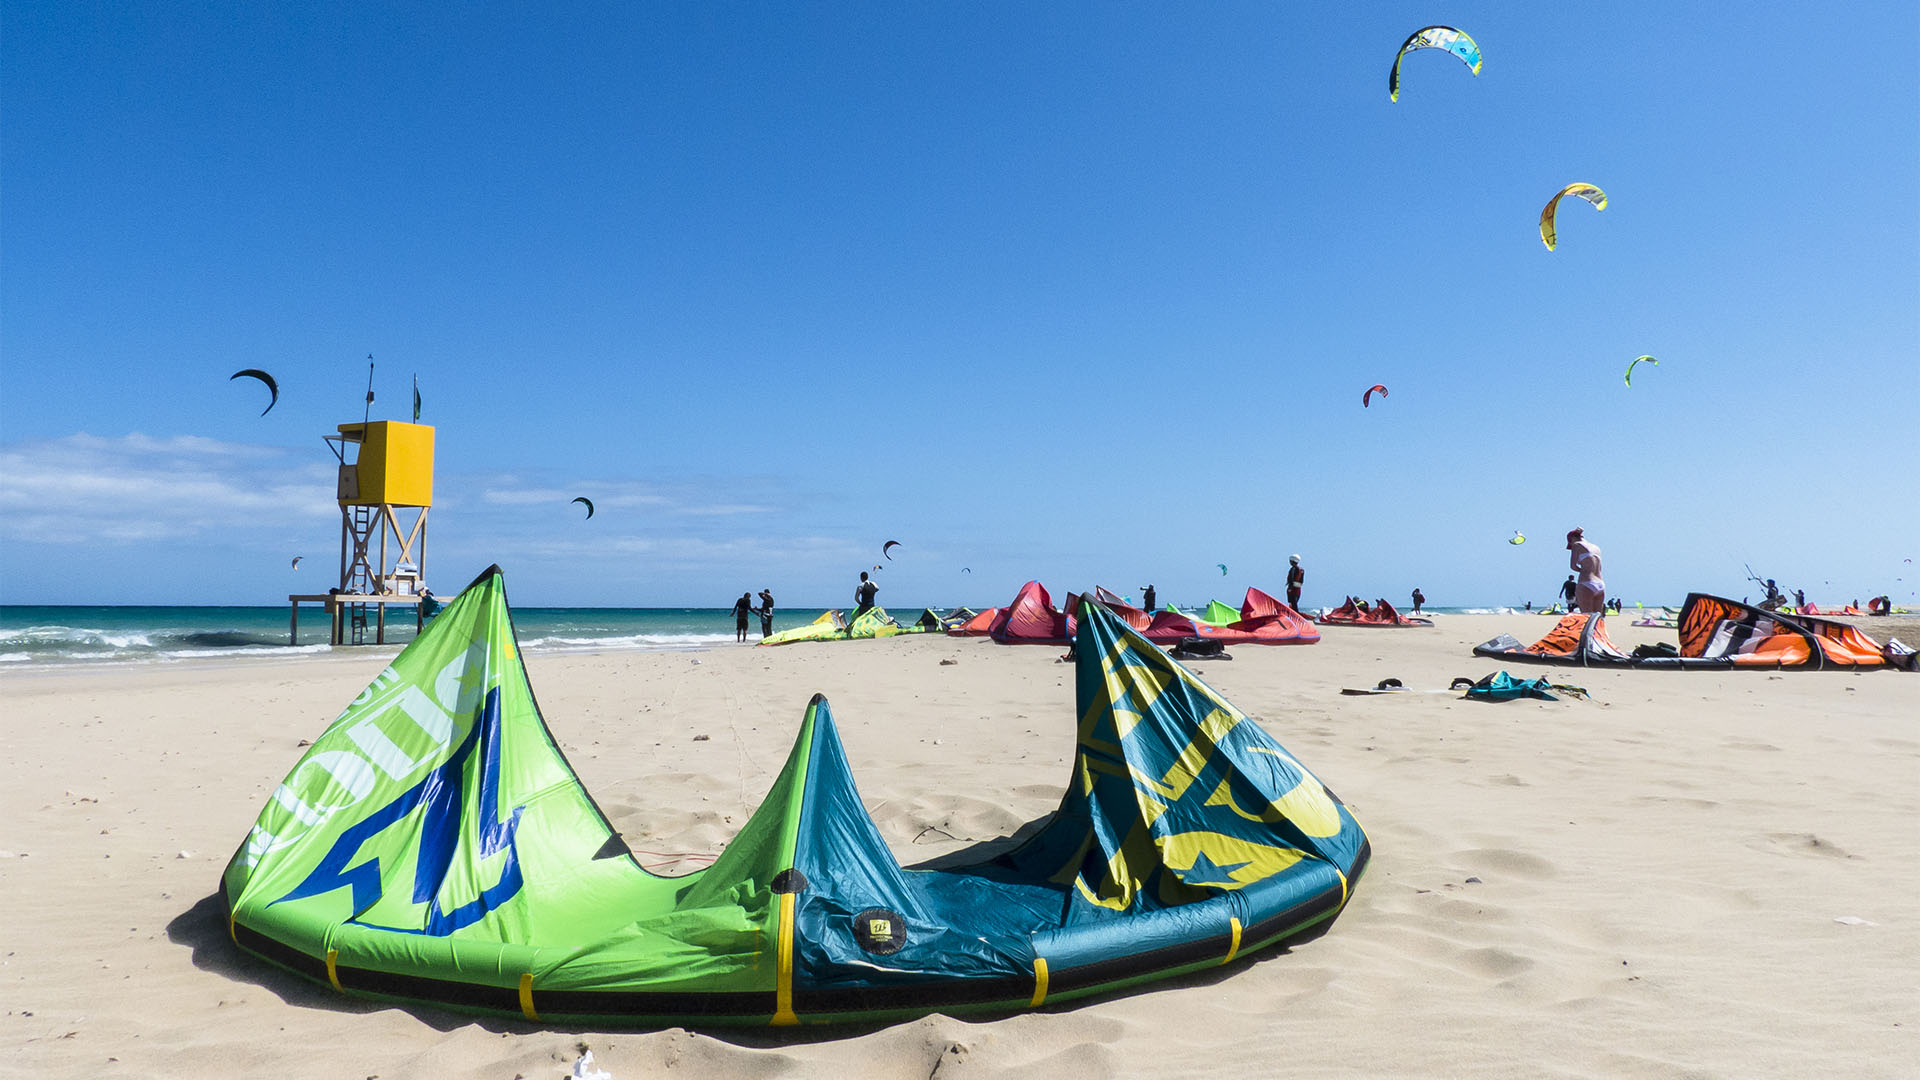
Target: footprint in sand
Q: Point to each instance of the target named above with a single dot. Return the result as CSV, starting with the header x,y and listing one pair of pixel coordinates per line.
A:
x,y
1672,800
1505,862
1494,963
1800,844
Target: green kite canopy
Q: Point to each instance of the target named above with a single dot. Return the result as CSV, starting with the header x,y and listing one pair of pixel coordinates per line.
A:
x,y
1219,614
434,846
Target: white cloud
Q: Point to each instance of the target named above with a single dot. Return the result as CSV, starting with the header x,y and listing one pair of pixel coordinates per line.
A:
x,y
692,551
86,488
523,496
722,510
608,495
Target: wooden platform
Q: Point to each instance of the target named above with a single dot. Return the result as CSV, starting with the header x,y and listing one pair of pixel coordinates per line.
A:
x,y
336,605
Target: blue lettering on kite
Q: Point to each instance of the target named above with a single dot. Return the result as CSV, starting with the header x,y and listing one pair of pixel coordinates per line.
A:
x,y
439,797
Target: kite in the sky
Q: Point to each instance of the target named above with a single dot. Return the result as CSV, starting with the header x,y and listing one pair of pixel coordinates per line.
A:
x,y
1584,191
1223,568
272,387
296,561
1434,37
887,549
1636,361
969,569
1518,537
588,502
1366,399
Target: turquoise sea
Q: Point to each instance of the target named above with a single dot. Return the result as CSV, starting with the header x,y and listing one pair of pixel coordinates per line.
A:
x,y
63,635
87,635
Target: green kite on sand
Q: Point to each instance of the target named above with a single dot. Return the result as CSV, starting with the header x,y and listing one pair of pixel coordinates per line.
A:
x,y
434,846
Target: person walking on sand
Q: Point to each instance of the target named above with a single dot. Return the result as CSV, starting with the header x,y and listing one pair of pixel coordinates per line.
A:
x,y
766,614
741,609
863,597
1567,590
1296,579
1418,599
1590,592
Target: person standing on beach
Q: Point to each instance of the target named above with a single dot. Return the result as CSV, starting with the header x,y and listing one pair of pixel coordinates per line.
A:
x,y
766,614
1590,592
863,597
1146,599
1566,594
1418,599
1296,580
741,609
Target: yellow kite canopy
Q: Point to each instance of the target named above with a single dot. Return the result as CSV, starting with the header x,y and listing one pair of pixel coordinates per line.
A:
x,y
1585,191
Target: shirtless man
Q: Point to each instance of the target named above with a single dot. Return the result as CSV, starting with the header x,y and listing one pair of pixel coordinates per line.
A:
x,y
1590,592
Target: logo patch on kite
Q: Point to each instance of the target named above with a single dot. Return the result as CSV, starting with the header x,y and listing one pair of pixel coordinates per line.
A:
x,y
880,931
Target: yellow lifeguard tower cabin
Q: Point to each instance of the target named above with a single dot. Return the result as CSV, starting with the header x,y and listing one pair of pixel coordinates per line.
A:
x,y
385,490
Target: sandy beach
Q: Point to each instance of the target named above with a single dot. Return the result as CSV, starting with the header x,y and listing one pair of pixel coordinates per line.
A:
x,y
1647,883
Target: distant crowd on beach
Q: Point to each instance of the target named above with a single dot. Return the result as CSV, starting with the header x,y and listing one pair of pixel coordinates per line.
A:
x,y
1585,590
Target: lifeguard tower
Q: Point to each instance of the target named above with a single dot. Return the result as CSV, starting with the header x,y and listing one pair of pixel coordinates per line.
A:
x,y
385,490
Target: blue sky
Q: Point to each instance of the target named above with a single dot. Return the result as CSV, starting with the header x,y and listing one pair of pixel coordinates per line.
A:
x,y
1087,293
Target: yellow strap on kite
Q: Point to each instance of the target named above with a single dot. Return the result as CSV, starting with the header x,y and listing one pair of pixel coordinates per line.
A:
x,y
783,1015
1233,949
333,976
526,995
1039,982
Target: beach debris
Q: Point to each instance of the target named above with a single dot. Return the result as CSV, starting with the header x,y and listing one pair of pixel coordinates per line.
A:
x,y
1475,881
948,663
588,502
1637,360
304,742
272,387
583,1069
1581,191
887,549
702,738
1446,38
184,854
1853,920
1366,399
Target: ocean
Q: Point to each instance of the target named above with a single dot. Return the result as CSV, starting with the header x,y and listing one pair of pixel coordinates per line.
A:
x,y
61,635
93,635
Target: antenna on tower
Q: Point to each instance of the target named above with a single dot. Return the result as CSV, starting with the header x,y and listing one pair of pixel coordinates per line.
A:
x,y
368,415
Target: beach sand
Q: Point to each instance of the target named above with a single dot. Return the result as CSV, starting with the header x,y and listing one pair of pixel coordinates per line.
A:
x,y
1644,884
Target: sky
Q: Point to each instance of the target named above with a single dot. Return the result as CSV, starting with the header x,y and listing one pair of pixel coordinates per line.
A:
x,y
1087,293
